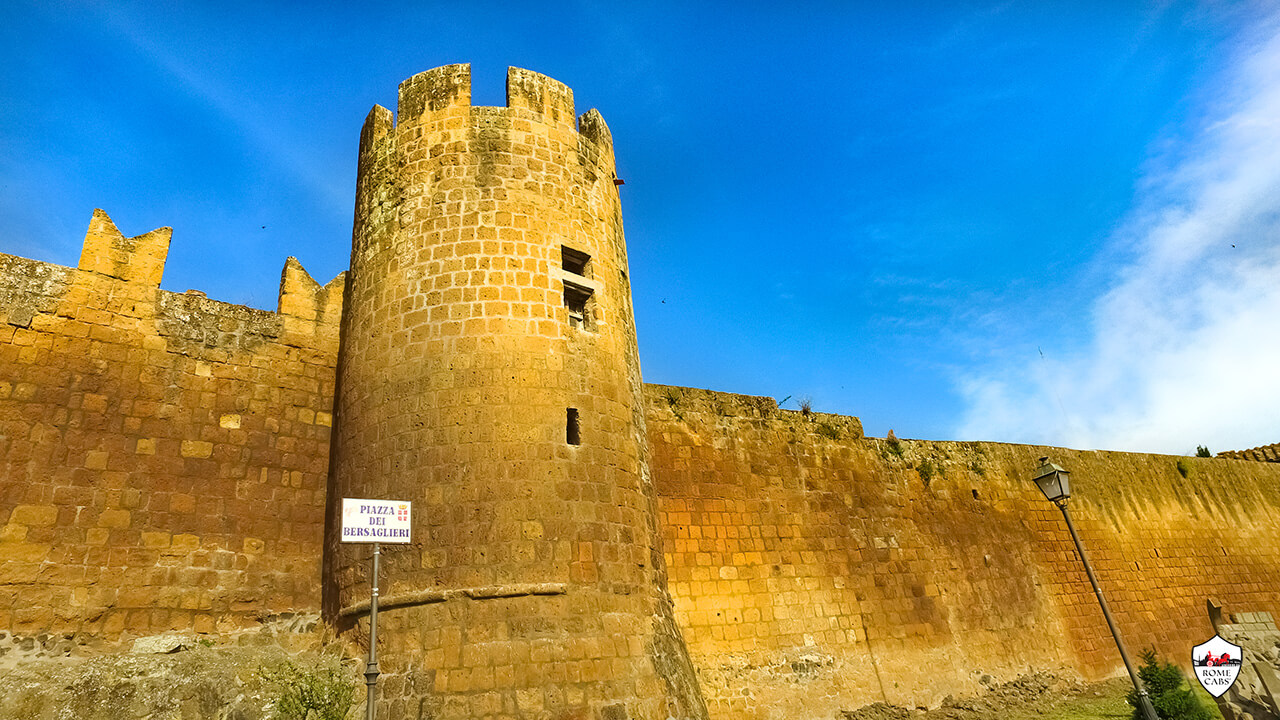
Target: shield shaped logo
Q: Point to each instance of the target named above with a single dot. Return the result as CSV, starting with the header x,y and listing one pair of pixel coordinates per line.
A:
x,y
1217,663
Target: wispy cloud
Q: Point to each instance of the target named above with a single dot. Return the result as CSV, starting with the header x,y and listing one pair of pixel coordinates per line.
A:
x,y
1185,347
258,125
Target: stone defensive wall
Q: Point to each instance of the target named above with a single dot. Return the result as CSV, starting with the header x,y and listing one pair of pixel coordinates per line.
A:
x,y
815,570
584,545
162,455
163,460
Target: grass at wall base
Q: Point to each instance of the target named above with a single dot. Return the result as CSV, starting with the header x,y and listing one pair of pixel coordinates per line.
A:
x,y
325,692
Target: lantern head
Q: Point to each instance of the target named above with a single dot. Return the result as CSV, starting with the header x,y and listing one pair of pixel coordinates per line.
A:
x,y
1052,480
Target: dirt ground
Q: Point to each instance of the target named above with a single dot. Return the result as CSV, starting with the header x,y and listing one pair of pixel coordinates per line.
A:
x,y
1041,696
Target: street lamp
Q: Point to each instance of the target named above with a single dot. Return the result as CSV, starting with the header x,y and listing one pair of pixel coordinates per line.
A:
x,y
1052,481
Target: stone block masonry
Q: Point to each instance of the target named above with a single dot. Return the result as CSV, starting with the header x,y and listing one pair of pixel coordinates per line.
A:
x,y
489,374
162,455
584,547
815,570
1266,453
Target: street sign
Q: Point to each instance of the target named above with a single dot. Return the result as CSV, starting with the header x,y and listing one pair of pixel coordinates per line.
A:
x,y
375,521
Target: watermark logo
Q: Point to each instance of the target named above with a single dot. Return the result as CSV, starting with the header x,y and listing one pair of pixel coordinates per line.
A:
x,y
1217,663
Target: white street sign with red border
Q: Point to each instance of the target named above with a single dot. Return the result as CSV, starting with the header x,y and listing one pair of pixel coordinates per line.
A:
x,y
375,521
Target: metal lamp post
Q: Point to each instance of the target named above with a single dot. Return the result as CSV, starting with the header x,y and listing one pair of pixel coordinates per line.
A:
x,y
1053,482
371,665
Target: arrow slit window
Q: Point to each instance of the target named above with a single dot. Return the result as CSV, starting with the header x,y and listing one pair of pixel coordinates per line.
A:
x,y
572,431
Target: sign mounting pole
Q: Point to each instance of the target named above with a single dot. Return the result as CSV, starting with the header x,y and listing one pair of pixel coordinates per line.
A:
x,y
371,667
377,522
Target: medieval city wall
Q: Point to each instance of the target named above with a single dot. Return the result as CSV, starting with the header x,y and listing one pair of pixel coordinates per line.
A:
x,y
162,456
814,569
165,465
163,460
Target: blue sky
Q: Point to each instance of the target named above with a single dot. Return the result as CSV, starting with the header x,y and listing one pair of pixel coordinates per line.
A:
x,y
1050,222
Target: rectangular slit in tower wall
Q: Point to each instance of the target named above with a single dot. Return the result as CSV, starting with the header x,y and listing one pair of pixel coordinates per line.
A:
x,y
577,300
571,429
577,297
575,261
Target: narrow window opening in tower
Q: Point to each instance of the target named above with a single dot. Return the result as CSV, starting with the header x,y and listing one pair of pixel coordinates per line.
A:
x,y
578,300
575,261
571,430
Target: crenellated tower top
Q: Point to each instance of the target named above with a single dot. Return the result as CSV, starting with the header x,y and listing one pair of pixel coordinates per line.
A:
x,y
531,96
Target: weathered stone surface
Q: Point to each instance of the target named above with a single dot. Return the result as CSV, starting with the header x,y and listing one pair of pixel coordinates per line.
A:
x,y
513,419
164,467
161,467
200,683
163,644
1256,691
814,569
1264,453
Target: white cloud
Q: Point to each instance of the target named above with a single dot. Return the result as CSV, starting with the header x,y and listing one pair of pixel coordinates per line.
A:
x,y
1185,346
259,126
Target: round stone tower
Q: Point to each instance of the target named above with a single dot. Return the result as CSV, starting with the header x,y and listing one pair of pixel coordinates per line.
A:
x,y
489,374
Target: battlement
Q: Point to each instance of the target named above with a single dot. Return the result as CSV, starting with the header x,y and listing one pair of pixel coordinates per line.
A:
x,y
121,276
551,99
448,88
138,259
173,417
305,304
